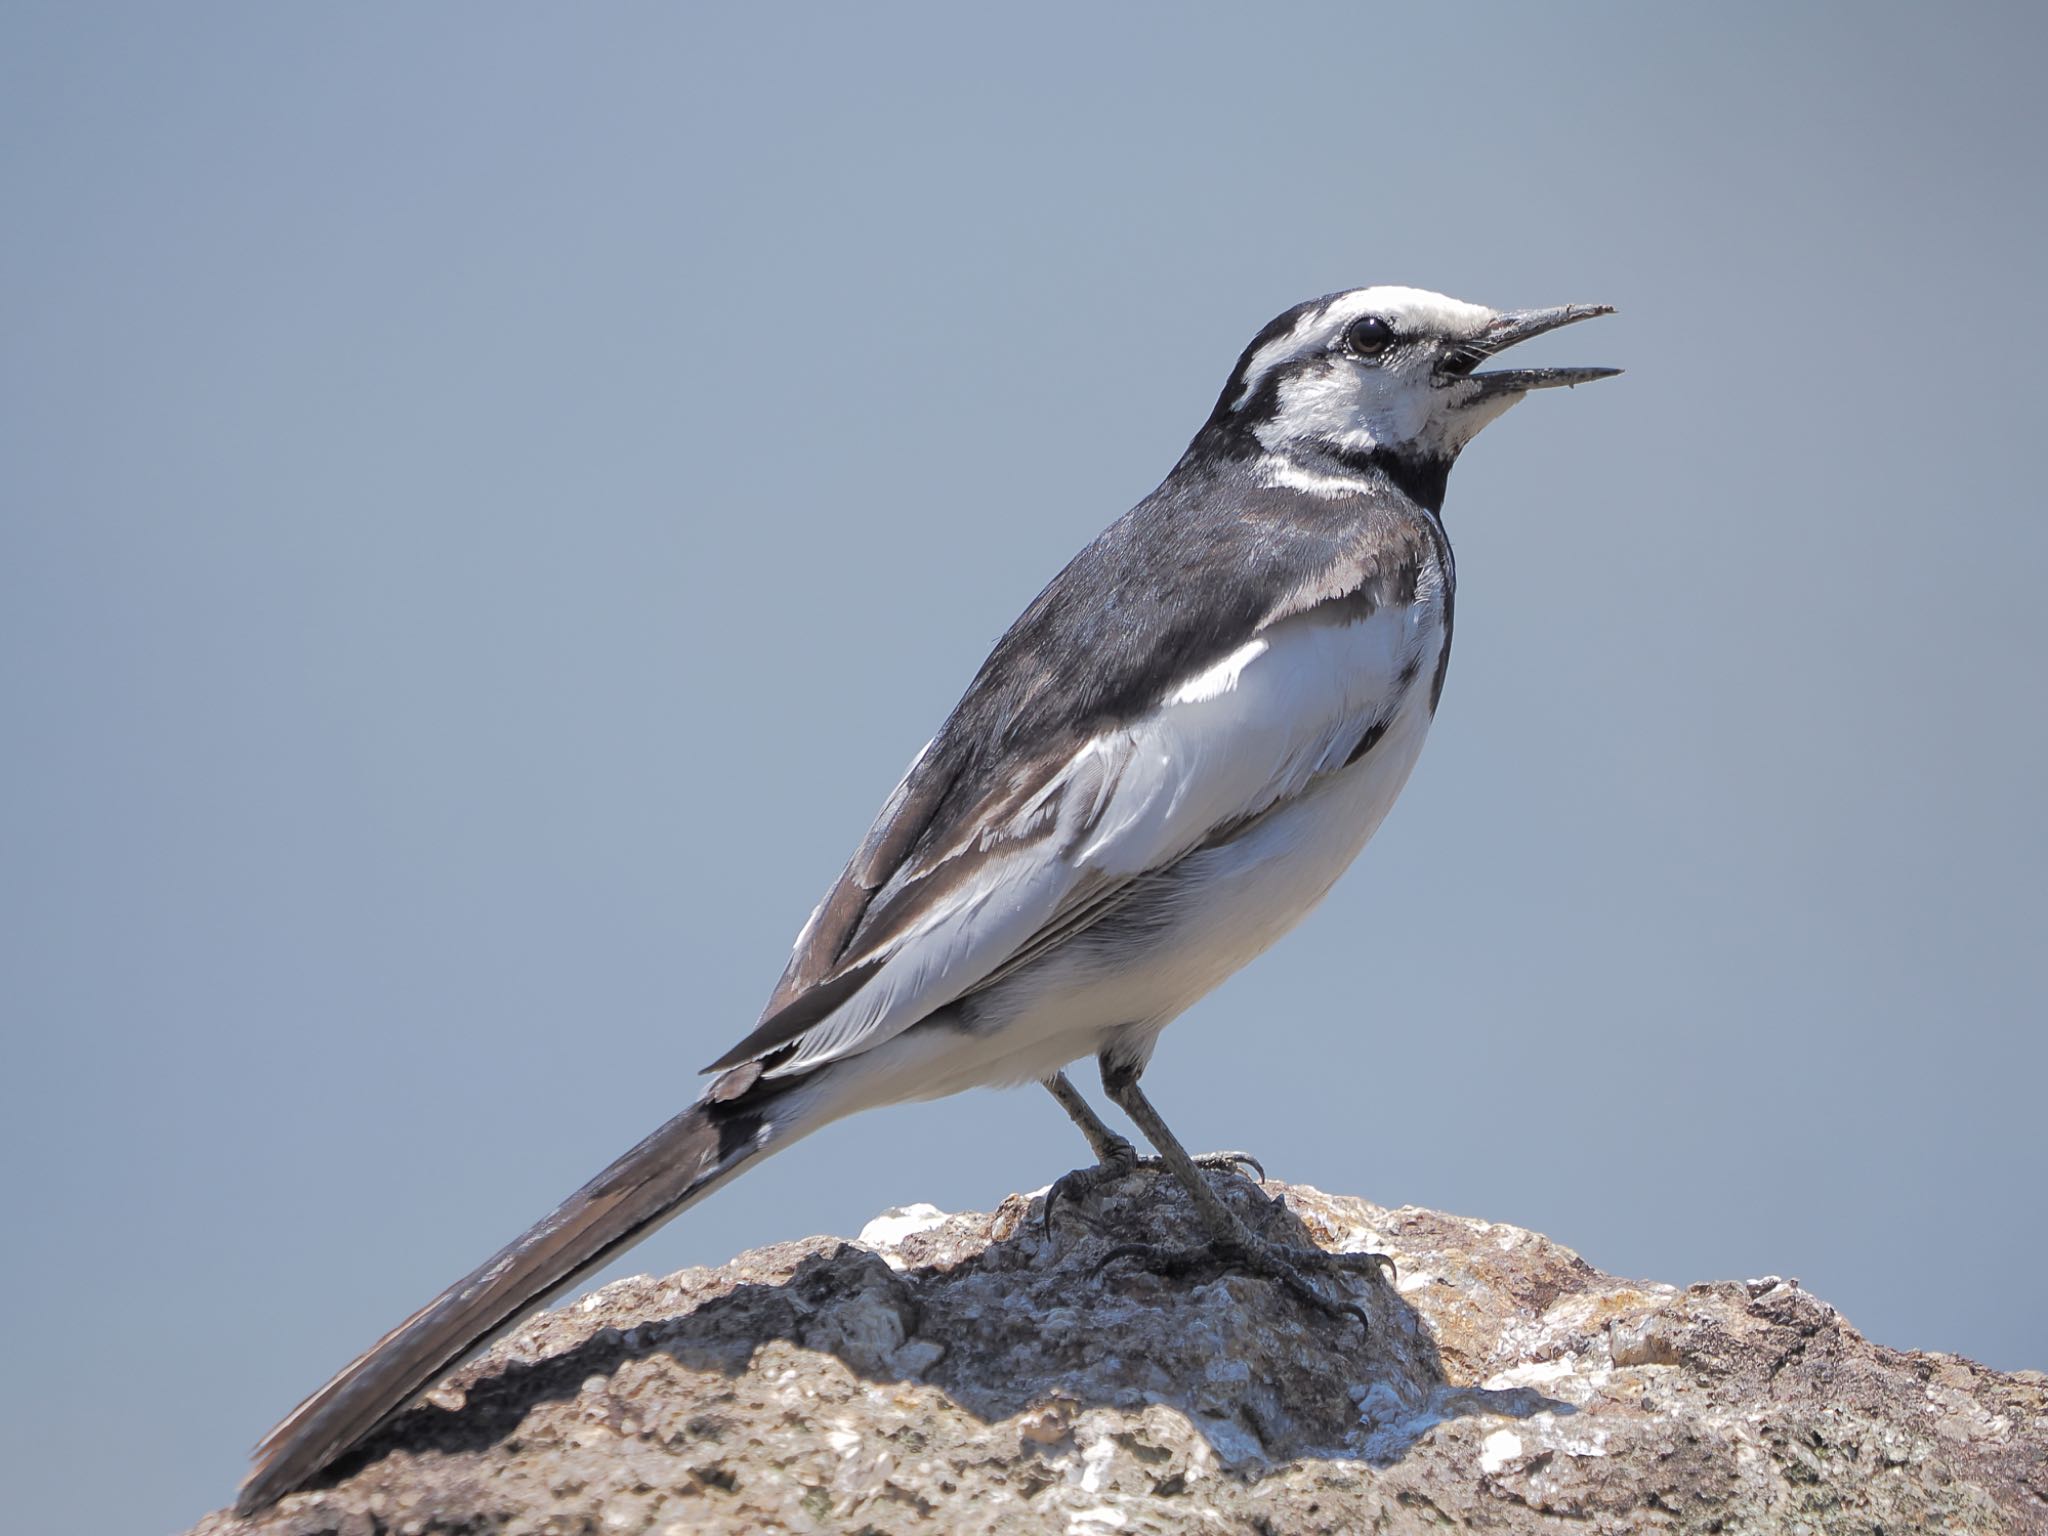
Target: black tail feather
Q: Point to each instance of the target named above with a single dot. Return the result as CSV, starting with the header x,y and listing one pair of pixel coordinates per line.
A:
x,y
681,1162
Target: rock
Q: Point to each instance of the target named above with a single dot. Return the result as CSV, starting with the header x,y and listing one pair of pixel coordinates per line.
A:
x,y
970,1374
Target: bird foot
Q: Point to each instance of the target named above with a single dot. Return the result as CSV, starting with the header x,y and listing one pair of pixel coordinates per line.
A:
x,y
1221,1162
1287,1266
1117,1161
1120,1160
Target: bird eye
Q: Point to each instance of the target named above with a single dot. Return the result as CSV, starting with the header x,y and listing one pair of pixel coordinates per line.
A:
x,y
1370,336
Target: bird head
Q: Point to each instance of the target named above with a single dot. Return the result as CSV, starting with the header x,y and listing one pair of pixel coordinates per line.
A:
x,y
1384,374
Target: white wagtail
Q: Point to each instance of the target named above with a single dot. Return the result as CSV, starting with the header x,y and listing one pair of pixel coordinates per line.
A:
x,y
1165,763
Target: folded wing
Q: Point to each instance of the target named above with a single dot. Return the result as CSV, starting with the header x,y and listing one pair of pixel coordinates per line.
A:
x,y
948,891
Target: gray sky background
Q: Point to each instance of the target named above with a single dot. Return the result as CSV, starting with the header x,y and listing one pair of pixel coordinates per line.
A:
x,y
494,496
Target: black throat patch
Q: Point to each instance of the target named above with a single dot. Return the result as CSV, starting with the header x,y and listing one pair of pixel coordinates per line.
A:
x,y
1422,479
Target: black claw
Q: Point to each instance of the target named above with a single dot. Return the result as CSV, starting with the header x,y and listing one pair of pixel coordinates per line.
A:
x,y
1052,1198
1360,1263
1303,1291
1177,1263
1378,1263
1233,1162
1122,1159
1158,1260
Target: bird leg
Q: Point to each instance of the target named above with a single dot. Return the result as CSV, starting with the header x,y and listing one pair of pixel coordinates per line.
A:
x,y
1115,1157
1232,1245
1107,1146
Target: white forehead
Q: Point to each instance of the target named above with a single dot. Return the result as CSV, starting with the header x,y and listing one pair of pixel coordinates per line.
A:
x,y
1408,310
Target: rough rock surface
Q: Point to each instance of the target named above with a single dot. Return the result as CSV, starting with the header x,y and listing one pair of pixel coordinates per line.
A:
x,y
970,1374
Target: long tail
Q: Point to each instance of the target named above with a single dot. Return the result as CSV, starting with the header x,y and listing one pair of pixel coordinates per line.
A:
x,y
736,1123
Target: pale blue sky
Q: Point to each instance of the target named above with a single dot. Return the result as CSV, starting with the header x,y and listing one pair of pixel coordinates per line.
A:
x,y
494,495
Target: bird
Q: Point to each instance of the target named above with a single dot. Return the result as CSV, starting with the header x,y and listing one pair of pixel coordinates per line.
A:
x,y
1163,765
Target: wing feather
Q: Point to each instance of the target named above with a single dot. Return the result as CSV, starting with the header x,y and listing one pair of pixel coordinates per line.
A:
x,y
823,940
1061,841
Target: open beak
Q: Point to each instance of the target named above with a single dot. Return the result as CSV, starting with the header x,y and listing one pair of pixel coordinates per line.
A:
x,y
1519,325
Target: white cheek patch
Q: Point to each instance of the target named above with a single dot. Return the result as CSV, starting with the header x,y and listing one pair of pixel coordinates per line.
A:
x,y
1312,404
1349,407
